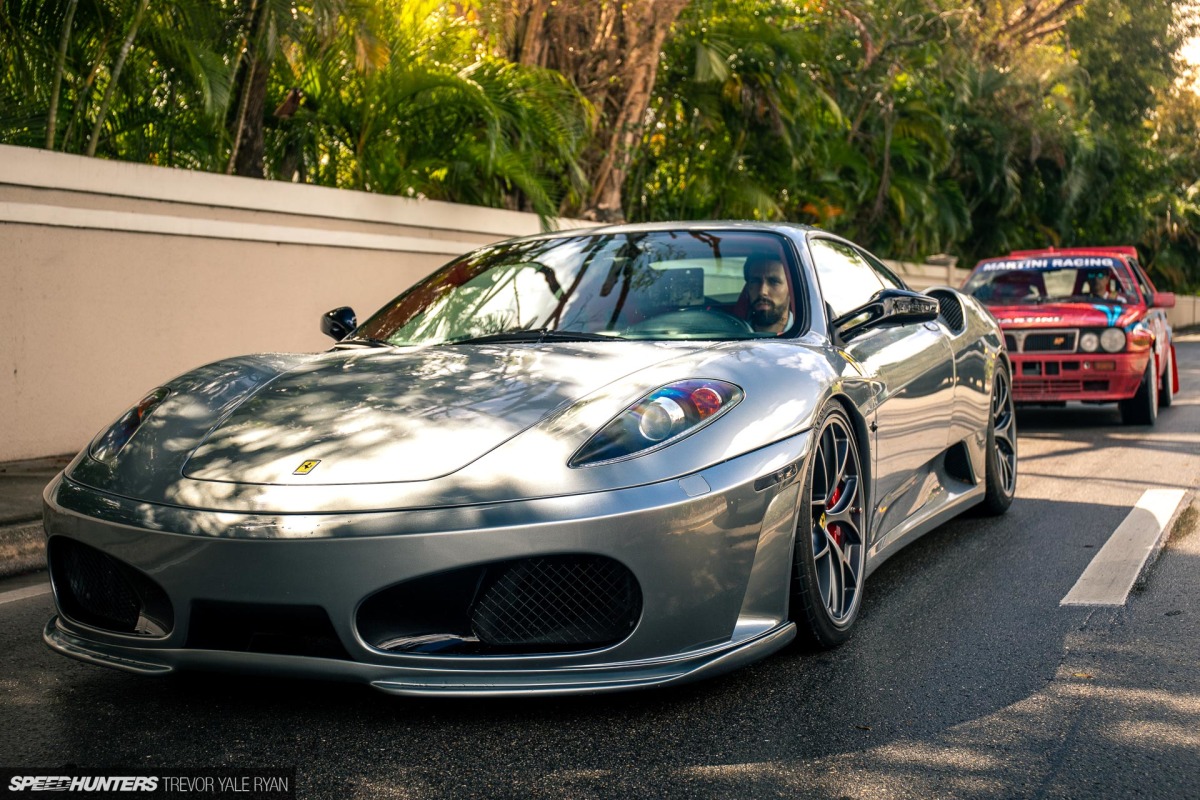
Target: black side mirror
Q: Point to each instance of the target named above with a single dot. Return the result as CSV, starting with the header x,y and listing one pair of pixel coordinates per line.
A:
x,y
338,323
888,308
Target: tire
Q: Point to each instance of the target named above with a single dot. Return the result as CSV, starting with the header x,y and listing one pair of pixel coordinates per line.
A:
x,y
829,558
1166,387
1000,472
1142,408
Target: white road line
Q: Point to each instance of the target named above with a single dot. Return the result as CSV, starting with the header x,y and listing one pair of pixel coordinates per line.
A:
x,y
1110,576
24,594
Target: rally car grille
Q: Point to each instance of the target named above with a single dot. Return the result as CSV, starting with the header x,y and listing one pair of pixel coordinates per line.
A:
x,y
1058,341
558,600
100,591
1036,389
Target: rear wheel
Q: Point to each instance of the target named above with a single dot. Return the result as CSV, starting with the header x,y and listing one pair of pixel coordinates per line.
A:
x,y
1166,388
1142,408
830,552
1000,473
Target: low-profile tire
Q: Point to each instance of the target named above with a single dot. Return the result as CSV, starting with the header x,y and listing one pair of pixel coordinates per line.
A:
x,y
1166,387
1000,471
829,559
1142,408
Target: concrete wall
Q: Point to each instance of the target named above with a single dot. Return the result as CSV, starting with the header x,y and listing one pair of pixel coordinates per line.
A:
x,y
116,277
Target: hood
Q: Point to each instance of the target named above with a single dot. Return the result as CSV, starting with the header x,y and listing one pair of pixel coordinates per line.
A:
x,y
383,416
1065,315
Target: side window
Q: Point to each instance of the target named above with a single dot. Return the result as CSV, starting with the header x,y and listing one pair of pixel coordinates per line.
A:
x,y
1143,282
889,278
847,280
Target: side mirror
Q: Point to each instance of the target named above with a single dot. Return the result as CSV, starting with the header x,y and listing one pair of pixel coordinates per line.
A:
x,y
888,308
1164,300
338,323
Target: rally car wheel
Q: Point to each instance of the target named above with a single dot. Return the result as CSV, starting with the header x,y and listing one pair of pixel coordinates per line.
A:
x,y
830,550
1142,408
1166,389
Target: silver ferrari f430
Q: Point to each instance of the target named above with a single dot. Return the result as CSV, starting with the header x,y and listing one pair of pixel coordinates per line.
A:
x,y
585,461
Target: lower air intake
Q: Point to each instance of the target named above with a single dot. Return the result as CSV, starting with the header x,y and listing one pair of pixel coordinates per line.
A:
x,y
100,591
557,601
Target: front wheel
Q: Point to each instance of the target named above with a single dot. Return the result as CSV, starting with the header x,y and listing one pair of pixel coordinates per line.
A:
x,y
1000,471
1166,389
830,551
1142,408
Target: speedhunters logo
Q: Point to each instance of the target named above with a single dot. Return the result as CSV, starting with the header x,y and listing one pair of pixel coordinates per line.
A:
x,y
199,784
91,783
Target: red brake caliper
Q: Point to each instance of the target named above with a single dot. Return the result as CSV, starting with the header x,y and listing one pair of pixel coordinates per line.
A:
x,y
835,530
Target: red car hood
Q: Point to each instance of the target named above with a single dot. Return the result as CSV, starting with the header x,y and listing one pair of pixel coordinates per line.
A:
x,y
1065,315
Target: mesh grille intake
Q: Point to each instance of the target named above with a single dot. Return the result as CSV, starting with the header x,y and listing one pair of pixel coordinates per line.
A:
x,y
96,589
574,600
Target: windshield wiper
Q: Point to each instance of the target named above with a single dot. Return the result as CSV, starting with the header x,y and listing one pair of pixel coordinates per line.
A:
x,y
537,335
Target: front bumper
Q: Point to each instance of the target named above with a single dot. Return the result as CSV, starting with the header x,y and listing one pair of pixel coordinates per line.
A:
x,y
1087,377
710,552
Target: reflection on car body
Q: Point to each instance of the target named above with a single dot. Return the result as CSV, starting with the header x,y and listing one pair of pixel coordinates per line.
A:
x,y
577,462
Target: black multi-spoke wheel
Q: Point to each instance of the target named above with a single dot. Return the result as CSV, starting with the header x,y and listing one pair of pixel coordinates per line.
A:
x,y
830,552
1000,474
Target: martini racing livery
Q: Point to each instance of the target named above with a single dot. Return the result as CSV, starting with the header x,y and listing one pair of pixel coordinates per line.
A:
x,y
1083,324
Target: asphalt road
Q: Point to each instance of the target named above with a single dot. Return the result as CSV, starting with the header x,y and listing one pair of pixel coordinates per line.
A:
x,y
966,678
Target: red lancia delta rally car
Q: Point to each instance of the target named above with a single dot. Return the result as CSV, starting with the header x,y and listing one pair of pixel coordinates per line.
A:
x,y
1082,324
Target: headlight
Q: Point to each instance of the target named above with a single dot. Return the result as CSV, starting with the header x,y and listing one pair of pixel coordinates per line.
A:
x,y
664,416
106,446
1089,342
1113,340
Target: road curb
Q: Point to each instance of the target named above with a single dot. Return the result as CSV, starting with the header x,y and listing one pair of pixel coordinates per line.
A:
x,y
22,549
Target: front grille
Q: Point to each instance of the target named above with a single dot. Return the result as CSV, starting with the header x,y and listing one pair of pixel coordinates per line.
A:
x,y
543,604
1049,342
1010,342
95,589
575,600
1025,389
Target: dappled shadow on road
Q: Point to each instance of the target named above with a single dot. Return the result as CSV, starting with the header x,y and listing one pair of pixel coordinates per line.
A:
x,y
948,689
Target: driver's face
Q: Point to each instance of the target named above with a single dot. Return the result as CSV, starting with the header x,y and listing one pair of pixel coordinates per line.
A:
x,y
767,288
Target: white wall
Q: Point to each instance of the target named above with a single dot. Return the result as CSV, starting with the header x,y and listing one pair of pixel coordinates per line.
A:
x,y
116,277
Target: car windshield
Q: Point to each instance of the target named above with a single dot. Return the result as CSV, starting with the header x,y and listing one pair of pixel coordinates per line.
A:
x,y
1051,280
601,287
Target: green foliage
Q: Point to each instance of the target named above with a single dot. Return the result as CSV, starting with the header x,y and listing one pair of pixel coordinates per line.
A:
x,y
913,126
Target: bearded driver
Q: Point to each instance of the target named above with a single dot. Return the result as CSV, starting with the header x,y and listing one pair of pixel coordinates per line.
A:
x,y
768,294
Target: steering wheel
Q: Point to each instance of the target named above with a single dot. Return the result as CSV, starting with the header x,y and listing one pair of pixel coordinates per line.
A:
x,y
694,321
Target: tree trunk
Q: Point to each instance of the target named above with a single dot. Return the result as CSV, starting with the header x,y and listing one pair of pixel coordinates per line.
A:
x,y
610,50
250,146
59,62
250,89
126,46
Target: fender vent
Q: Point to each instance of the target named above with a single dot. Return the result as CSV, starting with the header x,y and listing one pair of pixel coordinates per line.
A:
x,y
950,310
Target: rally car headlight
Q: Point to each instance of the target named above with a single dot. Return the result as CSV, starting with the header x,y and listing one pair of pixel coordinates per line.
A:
x,y
1113,340
662,417
110,442
1089,342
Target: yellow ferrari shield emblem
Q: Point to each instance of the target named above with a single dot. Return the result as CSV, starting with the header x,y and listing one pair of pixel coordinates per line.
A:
x,y
307,467
822,519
